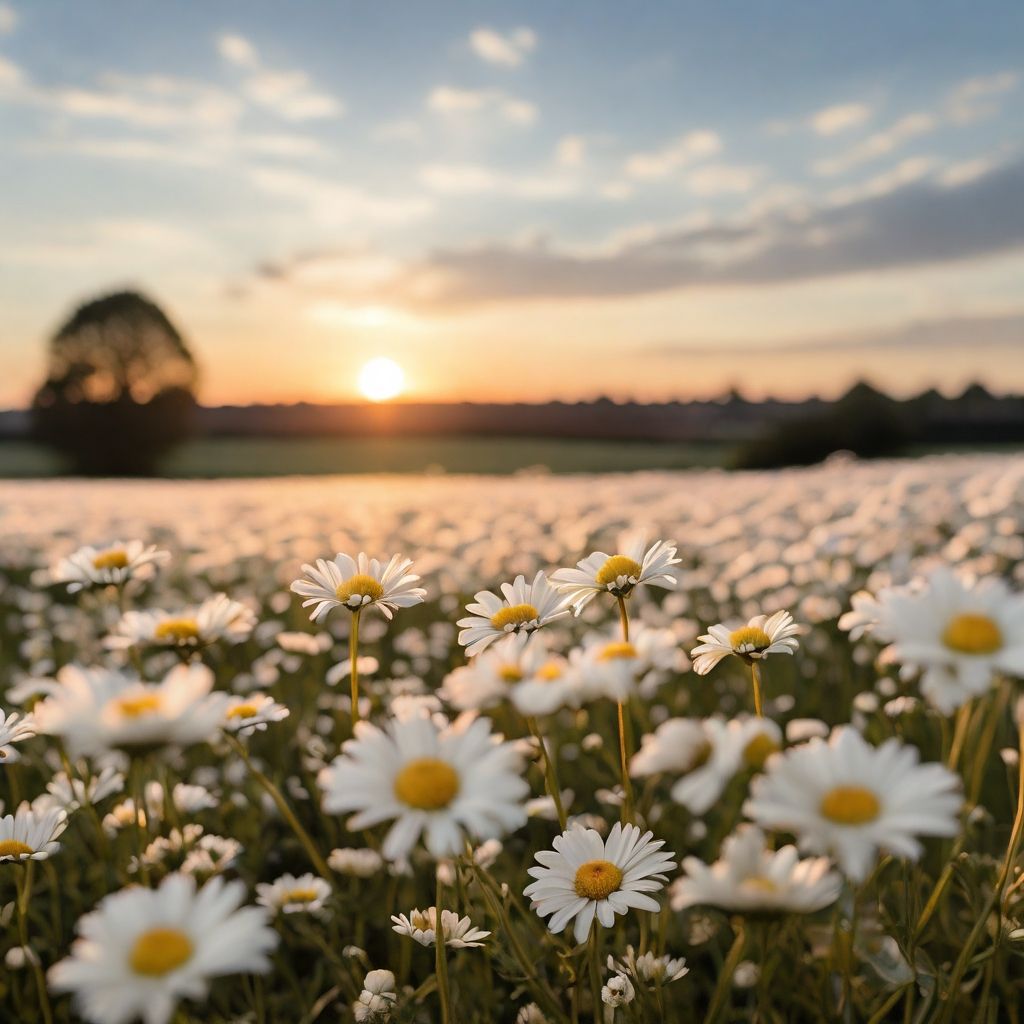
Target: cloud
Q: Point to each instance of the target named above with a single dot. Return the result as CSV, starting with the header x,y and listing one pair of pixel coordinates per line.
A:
x,y
288,94
509,50
839,118
474,179
722,179
8,19
685,150
450,100
971,99
571,150
878,145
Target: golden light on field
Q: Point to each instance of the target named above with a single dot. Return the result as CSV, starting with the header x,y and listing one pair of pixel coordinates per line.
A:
x,y
381,379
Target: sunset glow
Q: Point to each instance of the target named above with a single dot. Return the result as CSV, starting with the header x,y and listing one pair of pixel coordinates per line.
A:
x,y
381,379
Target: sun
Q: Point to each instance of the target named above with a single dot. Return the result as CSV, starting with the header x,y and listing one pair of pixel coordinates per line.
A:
x,y
381,379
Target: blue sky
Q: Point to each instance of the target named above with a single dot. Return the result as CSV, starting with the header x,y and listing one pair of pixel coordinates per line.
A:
x,y
523,200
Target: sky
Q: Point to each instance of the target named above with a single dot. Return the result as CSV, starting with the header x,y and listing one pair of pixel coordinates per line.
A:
x,y
523,201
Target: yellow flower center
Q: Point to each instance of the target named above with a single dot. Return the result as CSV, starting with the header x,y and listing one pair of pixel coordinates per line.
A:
x,y
427,783
243,711
515,615
115,558
136,707
360,585
510,674
177,630
850,805
759,884
756,752
749,638
159,951
616,566
972,634
301,895
549,672
618,649
13,848
597,879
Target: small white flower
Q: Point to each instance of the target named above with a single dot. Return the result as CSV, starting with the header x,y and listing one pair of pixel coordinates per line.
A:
x,y
358,584
849,799
306,894
112,565
217,618
523,608
761,636
253,713
31,834
618,992
586,876
377,998
421,926
357,862
648,968
13,729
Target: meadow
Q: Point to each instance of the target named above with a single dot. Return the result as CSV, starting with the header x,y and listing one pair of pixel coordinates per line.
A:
x,y
767,770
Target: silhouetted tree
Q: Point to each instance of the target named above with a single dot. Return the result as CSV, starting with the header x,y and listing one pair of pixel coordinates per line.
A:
x,y
119,390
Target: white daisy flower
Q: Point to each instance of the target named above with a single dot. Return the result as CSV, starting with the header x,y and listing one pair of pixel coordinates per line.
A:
x,y
95,710
618,574
359,862
13,729
850,800
421,926
618,991
108,566
377,998
748,877
253,713
142,950
648,968
306,894
761,636
31,833
72,793
217,618
490,677
550,686
524,607
358,584
438,781
586,876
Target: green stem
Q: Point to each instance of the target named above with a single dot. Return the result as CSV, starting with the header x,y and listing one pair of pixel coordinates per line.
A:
x,y
440,957
353,658
963,718
550,771
755,679
624,743
595,968
37,969
137,771
285,810
719,999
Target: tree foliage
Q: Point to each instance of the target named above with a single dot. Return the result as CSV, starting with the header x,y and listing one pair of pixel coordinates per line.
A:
x,y
119,390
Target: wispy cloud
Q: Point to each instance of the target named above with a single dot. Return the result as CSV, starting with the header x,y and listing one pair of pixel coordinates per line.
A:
x,y
662,162
507,50
839,118
475,179
878,145
450,100
972,100
8,19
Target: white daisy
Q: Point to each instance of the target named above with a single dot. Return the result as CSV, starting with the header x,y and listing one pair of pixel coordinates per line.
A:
x,y
142,950
439,781
377,999
358,584
253,713
524,607
96,710
217,618
552,684
648,968
359,862
306,894
618,574
421,927
114,565
849,799
618,991
491,677
761,636
31,833
13,729
748,877
586,876
72,793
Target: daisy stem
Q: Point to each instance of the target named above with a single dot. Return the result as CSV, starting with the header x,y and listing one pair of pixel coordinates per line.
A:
x,y
963,718
137,772
595,970
725,976
624,744
24,896
755,679
353,659
440,956
285,810
550,771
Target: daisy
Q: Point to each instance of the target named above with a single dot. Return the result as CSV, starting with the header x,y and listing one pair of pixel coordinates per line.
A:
x,y
31,834
377,998
848,799
438,781
113,565
586,876
551,685
619,574
748,877
253,713
96,710
525,607
306,894
761,636
421,927
217,618
142,950
357,584
491,676
13,729
359,862
71,793
618,992
648,968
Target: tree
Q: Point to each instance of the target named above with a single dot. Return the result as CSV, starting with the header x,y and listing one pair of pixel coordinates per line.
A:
x,y
119,390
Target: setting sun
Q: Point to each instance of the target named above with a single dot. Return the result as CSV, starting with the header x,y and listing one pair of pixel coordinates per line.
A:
x,y
381,379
